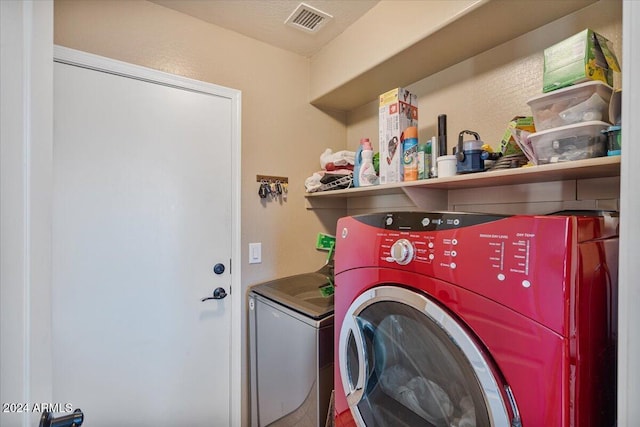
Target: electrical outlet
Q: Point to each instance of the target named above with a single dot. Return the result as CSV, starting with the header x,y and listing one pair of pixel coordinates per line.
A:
x,y
255,253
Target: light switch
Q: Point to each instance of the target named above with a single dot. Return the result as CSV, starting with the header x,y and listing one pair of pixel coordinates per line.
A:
x,y
255,253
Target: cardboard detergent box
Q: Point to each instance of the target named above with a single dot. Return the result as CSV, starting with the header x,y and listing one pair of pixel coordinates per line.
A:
x,y
398,110
583,56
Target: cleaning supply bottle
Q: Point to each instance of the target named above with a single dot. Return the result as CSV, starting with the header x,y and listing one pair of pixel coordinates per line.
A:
x,y
366,172
410,153
435,152
357,164
424,159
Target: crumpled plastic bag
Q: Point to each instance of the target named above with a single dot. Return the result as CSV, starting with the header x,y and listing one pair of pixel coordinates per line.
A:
x,y
313,183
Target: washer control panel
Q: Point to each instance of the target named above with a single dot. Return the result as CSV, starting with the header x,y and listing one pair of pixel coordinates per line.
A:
x,y
459,247
446,245
423,238
412,248
522,262
402,252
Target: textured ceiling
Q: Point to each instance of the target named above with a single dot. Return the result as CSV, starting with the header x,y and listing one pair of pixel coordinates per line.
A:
x,y
264,19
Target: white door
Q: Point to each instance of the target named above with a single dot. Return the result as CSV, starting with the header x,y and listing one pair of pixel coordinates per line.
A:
x,y
142,212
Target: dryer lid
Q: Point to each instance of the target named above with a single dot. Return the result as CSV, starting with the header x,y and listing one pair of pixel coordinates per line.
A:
x,y
309,293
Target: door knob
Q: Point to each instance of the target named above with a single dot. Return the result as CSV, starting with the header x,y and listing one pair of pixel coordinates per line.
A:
x,y
76,418
218,293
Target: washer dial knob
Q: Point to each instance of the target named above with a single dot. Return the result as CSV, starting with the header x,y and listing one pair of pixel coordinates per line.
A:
x,y
402,251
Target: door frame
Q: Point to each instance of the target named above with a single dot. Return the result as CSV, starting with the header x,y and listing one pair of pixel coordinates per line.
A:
x,y
26,135
99,63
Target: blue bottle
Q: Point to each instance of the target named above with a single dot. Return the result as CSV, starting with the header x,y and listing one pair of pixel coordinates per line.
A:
x,y
356,166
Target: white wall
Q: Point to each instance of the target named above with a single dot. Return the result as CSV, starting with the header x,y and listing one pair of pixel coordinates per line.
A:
x,y
629,292
26,74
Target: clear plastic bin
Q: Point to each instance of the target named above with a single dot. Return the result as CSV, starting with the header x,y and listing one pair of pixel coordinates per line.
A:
x,y
572,142
575,104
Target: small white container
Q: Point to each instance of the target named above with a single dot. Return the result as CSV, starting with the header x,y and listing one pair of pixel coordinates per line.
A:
x,y
447,166
583,102
572,142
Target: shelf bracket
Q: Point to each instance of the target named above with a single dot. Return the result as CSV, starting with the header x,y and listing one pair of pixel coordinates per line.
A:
x,y
325,203
433,199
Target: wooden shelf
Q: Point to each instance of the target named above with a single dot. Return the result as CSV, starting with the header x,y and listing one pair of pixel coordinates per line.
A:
x,y
486,24
580,169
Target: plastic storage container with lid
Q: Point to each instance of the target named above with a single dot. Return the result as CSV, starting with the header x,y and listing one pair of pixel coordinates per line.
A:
x,y
572,142
614,139
574,104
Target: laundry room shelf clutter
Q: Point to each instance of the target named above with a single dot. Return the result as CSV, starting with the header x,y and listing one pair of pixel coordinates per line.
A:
x,y
479,86
600,167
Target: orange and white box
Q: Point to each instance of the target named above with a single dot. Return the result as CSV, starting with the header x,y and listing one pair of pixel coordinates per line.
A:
x,y
398,111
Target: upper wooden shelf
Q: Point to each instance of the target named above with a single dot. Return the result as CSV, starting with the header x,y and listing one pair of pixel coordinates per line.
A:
x,y
580,169
487,24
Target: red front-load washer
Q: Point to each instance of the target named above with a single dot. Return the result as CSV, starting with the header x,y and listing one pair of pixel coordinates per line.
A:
x,y
473,320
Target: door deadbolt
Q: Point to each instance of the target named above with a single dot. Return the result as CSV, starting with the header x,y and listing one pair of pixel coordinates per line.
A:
x,y
218,268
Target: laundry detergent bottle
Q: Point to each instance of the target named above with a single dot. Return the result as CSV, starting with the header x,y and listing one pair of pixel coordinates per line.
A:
x,y
410,153
366,172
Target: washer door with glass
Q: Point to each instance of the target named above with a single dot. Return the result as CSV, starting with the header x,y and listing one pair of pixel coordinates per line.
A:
x,y
405,361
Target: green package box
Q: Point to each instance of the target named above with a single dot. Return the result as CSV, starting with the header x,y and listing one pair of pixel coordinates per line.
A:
x,y
583,56
508,144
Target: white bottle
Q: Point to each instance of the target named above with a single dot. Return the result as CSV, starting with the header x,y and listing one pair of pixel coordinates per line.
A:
x,y
367,173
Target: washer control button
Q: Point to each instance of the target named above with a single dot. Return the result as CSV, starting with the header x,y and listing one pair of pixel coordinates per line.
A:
x,y
402,252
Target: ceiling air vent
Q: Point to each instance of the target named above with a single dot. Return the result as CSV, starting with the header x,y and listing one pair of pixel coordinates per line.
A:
x,y
307,18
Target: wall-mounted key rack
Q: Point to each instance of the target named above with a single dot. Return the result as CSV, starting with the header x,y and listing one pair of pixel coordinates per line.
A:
x,y
274,186
271,178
